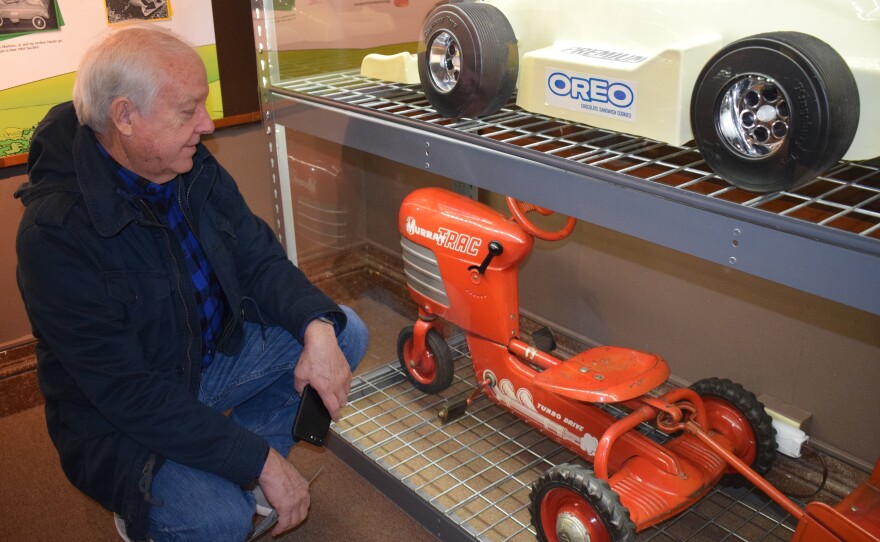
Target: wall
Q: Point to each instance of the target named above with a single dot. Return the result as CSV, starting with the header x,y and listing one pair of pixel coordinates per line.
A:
x,y
14,327
242,150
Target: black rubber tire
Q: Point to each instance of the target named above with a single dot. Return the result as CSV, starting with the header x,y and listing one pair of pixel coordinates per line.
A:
x,y
489,59
441,377
823,101
752,411
596,493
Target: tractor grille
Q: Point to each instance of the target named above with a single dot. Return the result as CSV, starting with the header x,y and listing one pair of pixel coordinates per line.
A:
x,y
422,271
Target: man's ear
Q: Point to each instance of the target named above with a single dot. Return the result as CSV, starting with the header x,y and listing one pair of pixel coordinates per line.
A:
x,y
121,111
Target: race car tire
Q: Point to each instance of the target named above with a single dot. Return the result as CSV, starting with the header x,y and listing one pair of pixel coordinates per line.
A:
x,y
773,111
468,60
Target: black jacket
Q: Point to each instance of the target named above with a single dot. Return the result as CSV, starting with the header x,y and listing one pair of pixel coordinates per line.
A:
x,y
113,309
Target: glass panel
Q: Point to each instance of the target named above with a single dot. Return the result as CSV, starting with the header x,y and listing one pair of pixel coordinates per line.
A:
x,y
309,38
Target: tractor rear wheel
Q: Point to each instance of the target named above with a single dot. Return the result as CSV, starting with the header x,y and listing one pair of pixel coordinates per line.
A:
x,y
738,415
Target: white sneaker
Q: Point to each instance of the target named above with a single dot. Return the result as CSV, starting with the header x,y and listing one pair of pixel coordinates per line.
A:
x,y
120,527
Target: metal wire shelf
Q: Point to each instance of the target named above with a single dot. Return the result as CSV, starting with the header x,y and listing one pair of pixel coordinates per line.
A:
x,y
845,198
476,472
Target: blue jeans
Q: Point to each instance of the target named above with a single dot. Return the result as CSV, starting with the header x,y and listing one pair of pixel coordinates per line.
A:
x,y
257,383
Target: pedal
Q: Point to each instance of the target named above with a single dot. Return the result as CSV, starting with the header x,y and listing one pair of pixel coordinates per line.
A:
x,y
455,410
452,411
543,339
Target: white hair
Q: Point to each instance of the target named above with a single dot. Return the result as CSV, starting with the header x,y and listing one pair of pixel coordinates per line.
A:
x,y
127,62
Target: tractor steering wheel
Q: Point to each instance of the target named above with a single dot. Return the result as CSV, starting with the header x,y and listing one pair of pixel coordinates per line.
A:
x,y
519,210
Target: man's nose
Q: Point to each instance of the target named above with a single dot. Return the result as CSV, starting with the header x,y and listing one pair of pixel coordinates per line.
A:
x,y
205,125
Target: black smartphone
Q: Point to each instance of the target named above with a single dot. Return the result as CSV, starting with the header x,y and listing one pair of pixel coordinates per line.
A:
x,y
312,419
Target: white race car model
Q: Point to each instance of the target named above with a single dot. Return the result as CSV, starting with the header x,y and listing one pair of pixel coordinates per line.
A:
x,y
773,93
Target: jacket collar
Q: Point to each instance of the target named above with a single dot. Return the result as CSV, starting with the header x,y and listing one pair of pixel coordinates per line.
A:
x,y
64,157
109,205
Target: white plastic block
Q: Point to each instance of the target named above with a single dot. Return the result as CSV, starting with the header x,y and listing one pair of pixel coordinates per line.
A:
x,y
789,440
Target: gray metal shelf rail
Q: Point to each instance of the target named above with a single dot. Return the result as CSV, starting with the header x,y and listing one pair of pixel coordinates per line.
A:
x,y
823,238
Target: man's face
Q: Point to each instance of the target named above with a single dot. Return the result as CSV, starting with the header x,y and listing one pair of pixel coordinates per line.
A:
x,y
163,140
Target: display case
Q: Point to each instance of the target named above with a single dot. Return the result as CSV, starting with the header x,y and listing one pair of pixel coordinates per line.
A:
x,y
345,149
823,239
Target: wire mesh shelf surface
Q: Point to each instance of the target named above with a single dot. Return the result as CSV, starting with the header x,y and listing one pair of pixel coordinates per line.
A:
x,y
477,471
845,198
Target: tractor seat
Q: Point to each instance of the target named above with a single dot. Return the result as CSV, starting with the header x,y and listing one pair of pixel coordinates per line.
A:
x,y
605,374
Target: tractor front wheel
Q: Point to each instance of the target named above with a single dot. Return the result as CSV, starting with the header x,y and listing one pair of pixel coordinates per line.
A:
x,y
432,371
569,504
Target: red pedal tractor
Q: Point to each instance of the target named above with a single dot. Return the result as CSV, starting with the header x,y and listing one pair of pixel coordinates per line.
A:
x,y
462,261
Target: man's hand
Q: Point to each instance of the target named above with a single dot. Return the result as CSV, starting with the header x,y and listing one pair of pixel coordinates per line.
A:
x,y
286,490
323,365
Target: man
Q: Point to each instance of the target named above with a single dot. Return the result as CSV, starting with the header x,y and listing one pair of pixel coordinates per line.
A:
x,y
174,336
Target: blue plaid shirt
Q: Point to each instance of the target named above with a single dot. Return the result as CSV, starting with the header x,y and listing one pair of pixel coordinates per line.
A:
x,y
209,296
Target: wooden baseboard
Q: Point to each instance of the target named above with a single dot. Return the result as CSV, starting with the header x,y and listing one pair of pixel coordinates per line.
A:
x,y
18,379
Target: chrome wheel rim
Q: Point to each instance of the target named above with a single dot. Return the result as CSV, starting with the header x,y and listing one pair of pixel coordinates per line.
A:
x,y
754,117
570,529
444,61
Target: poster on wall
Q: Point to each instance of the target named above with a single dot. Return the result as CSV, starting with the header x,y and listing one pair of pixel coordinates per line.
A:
x,y
41,42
